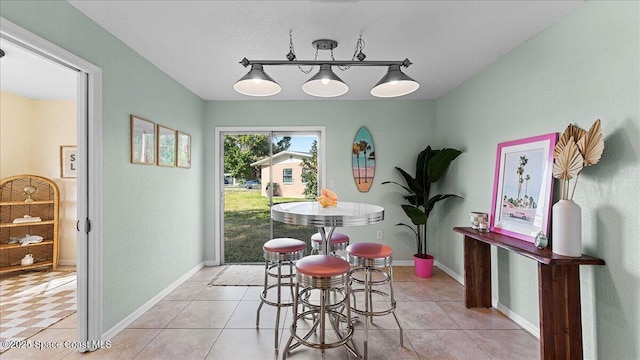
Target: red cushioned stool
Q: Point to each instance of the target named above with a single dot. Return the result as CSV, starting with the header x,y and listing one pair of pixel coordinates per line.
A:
x,y
369,259
279,252
338,242
323,273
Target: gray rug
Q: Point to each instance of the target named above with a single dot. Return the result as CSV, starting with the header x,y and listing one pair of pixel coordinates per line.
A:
x,y
240,275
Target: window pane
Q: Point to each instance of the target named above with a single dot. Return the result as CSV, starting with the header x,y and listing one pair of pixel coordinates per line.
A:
x,y
287,176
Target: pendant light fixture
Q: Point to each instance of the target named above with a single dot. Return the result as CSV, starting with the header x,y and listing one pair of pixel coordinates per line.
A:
x,y
257,83
326,83
394,83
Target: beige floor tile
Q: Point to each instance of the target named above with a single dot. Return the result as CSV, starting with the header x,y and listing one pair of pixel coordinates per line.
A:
x,y
244,344
438,275
476,318
70,322
188,290
401,273
206,274
424,315
244,316
506,344
379,322
204,315
222,293
444,344
183,344
443,290
124,346
410,291
160,315
384,345
46,345
253,293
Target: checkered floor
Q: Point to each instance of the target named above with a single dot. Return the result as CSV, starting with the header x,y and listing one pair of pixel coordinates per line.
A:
x,y
33,301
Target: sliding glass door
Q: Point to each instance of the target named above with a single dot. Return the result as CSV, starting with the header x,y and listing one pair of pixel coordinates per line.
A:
x,y
262,168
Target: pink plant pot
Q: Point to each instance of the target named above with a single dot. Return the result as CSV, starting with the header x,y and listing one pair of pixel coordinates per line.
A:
x,y
423,266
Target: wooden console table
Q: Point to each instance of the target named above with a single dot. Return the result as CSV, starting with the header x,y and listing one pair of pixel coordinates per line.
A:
x,y
558,288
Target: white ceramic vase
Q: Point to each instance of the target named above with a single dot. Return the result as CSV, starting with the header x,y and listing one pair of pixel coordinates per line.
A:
x,y
566,229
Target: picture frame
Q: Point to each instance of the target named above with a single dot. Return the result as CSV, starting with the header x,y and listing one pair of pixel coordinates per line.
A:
x,y
143,141
183,150
523,187
166,144
68,161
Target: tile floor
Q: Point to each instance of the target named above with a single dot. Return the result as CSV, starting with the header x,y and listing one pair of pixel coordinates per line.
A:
x,y
197,321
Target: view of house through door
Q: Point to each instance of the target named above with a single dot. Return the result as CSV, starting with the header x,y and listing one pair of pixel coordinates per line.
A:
x,y
262,169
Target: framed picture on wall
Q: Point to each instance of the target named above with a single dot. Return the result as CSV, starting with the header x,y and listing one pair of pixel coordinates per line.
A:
x,y
68,161
143,141
166,146
183,155
523,187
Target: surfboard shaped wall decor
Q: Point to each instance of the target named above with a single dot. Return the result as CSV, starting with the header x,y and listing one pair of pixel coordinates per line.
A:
x,y
364,159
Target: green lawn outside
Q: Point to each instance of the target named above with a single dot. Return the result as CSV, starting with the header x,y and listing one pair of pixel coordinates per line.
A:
x,y
247,219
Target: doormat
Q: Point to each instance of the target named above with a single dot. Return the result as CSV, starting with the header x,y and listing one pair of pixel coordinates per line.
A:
x,y
31,302
239,275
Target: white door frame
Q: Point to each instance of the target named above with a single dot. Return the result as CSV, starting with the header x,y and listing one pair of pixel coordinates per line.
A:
x,y
219,169
89,182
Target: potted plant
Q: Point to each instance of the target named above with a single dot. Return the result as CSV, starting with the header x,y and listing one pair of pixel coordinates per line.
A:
x,y
430,167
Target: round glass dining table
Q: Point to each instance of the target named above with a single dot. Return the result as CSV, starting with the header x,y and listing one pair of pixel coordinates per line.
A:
x,y
328,218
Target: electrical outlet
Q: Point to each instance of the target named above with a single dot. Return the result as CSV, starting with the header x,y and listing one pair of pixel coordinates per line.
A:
x,y
332,183
379,235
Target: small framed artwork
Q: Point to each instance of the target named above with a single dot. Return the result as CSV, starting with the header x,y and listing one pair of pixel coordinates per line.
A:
x,y
183,150
68,161
166,146
143,141
523,187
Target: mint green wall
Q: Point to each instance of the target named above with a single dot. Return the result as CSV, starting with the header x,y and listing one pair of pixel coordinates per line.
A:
x,y
153,216
400,129
585,67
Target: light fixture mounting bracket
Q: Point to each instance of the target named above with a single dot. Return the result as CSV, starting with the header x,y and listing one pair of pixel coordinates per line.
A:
x,y
324,44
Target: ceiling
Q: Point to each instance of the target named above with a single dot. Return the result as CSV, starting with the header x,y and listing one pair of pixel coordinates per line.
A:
x,y
34,77
199,43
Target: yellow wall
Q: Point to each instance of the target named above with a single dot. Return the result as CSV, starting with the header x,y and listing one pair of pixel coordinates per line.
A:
x,y
31,133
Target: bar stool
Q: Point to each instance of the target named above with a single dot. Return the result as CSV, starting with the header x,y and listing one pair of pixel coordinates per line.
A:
x,y
279,252
338,242
324,273
372,258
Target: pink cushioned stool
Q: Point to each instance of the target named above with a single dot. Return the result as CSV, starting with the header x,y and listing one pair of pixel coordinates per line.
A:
x,y
370,258
338,242
279,252
323,273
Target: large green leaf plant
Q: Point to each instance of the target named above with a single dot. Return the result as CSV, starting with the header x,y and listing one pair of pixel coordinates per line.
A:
x,y
430,167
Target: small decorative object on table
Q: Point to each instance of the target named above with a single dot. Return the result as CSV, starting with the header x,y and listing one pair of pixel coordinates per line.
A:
x,y
479,221
28,191
328,198
576,149
541,240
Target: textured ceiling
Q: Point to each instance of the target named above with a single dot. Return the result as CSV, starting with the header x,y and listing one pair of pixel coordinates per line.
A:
x,y
199,43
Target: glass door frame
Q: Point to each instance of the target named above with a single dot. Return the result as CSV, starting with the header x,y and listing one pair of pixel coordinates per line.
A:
x,y
220,132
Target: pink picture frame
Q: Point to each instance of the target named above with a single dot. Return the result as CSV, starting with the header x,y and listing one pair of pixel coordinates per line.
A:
x,y
523,187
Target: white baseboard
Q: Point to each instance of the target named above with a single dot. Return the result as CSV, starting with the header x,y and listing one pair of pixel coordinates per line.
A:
x,y
531,328
109,334
449,272
211,263
67,262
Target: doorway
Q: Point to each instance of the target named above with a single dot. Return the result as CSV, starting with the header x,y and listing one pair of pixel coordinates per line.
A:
x,y
88,194
257,169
